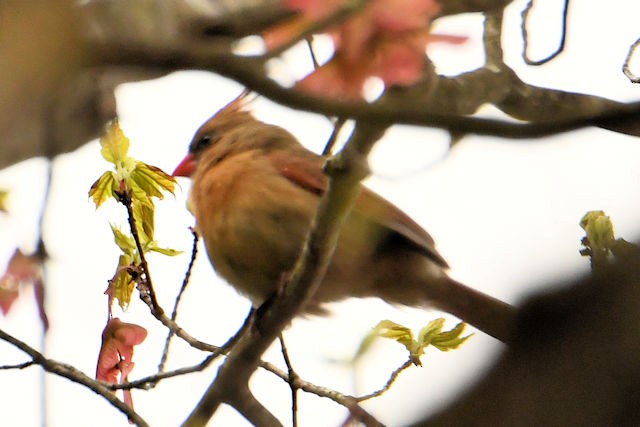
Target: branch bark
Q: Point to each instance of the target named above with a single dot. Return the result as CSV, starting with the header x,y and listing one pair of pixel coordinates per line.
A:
x,y
109,42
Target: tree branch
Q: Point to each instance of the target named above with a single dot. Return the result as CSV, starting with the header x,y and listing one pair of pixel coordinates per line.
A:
x,y
75,375
345,170
427,110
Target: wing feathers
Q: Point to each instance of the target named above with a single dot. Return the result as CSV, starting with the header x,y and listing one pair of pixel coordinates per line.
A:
x,y
306,172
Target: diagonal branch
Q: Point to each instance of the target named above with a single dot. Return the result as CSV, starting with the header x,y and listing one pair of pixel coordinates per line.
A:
x,y
346,170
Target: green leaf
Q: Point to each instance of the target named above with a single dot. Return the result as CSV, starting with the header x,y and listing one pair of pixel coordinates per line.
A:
x,y
432,329
152,180
103,188
164,251
115,144
431,334
4,195
395,331
123,284
449,340
599,230
143,214
124,242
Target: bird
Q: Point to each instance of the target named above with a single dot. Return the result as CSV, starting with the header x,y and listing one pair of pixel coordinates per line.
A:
x,y
255,189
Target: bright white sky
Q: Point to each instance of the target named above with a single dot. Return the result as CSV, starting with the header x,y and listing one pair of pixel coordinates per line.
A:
x,y
504,214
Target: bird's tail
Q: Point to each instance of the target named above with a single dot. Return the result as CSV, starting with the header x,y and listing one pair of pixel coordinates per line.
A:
x,y
484,312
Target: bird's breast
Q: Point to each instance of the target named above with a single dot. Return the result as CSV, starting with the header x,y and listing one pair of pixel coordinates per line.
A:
x,y
253,222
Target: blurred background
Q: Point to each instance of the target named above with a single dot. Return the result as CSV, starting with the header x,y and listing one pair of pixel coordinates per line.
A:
x,y
504,214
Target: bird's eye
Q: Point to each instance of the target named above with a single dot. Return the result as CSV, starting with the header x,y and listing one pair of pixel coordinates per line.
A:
x,y
201,144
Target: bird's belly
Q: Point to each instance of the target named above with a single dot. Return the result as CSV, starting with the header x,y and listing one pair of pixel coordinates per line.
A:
x,y
252,245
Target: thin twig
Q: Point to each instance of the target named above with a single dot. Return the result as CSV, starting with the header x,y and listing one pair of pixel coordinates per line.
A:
x,y
151,381
312,53
392,378
177,329
126,200
174,313
525,35
17,366
626,67
75,375
315,27
291,380
338,122
333,138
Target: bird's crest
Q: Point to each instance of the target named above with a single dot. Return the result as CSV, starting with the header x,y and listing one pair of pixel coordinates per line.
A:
x,y
237,107
232,115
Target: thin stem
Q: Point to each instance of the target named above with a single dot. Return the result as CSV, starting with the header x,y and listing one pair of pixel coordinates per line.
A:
x,y
291,380
125,199
17,366
525,35
333,138
316,27
152,380
626,67
312,53
174,313
392,378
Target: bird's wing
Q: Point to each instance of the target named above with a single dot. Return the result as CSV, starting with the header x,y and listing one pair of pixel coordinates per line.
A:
x,y
306,172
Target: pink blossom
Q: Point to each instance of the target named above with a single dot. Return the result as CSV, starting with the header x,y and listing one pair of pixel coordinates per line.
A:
x,y
385,39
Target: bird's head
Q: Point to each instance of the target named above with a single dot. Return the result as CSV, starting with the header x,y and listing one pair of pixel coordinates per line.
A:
x,y
233,130
232,117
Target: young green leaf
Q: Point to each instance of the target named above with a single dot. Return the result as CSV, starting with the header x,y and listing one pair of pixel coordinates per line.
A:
x,y
447,340
431,334
599,230
153,247
4,195
600,242
124,242
121,286
103,188
133,177
143,214
152,180
114,143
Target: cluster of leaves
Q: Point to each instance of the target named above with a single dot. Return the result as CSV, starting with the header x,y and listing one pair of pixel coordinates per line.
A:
x,y
599,243
134,184
430,335
379,38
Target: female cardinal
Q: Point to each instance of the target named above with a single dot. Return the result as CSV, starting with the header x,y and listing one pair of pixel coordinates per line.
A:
x,y
255,190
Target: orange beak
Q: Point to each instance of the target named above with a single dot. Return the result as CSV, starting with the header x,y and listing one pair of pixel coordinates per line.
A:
x,y
187,166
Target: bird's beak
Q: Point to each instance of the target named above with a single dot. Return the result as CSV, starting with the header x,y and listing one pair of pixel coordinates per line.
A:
x,y
187,166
